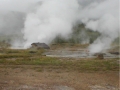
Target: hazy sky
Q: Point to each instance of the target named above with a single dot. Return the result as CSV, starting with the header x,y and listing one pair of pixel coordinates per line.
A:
x,y
16,5
22,5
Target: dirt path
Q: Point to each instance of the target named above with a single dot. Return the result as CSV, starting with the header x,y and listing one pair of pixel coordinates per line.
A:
x,y
25,77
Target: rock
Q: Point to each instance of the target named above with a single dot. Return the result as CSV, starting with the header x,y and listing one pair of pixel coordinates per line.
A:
x,y
99,55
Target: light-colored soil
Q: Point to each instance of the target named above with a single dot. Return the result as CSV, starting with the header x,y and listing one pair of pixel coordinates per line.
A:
x,y
26,77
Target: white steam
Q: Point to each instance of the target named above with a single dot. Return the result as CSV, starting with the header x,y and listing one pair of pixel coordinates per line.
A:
x,y
46,19
104,18
52,18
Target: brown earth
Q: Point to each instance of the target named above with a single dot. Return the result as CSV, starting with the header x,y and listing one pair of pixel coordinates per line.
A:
x,y
26,77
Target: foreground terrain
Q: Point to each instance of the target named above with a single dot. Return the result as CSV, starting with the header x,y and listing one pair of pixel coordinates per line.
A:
x,y
30,70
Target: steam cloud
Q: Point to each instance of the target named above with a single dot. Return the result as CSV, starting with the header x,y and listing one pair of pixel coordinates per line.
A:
x,y
104,18
52,18
46,19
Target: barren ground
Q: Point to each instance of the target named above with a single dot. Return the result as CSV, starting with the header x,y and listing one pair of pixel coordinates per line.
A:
x,y
24,77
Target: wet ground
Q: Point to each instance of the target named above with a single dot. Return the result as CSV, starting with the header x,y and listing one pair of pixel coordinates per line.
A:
x,y
77,54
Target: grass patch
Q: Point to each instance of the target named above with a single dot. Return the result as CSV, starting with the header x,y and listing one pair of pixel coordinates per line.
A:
x,y
24,57
98,65
30,61
55,64
13,56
